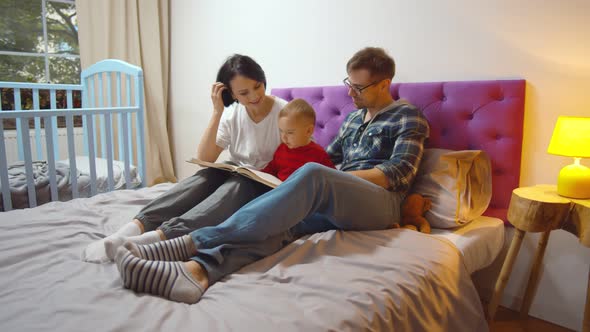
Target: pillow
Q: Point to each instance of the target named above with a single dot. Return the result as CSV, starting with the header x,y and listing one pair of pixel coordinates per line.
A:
x,y
459,184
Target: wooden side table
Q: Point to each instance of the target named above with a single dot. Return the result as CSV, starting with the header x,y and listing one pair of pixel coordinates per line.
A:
x,y
541,209
579,225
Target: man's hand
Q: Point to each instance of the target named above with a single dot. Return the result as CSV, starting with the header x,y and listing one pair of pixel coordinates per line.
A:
x,y
374,175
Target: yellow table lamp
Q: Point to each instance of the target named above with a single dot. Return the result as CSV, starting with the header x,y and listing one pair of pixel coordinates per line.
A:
x,y
571,137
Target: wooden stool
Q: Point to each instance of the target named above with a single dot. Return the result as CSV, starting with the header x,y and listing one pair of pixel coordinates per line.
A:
x,y
579,225
541,209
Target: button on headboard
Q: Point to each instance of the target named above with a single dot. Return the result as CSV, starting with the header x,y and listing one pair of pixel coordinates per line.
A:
x,y
463,115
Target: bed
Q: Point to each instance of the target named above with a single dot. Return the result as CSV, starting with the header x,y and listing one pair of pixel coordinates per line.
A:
x,y
390,280
98,147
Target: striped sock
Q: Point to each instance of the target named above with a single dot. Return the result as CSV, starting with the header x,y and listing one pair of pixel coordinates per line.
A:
x,y
178,249
167,279
112,243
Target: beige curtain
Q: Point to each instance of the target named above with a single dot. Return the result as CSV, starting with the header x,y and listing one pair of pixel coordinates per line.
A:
x,y
136,31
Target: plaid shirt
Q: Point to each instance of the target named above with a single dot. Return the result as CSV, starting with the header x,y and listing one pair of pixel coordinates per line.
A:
x,y
392,142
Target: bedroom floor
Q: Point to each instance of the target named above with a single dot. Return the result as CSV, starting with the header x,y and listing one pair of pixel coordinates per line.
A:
x,y
508,321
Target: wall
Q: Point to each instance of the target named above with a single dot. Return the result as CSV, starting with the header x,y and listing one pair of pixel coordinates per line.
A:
x,y
308,42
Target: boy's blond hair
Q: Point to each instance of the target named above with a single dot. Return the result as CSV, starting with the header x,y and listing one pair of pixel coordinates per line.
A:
x,y
299,108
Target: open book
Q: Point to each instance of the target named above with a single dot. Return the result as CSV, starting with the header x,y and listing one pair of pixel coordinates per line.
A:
x,y
253,174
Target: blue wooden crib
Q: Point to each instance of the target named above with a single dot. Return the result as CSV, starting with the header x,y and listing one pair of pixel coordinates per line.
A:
x,y
112,152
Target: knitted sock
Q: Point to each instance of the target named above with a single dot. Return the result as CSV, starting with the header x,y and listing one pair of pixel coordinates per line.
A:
x,y
96,251
111,244
167,279
178,249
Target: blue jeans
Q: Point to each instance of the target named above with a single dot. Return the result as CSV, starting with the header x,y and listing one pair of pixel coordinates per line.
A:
x,y
313,199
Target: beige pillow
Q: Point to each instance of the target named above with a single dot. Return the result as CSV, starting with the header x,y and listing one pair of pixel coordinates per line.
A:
x,y
459,183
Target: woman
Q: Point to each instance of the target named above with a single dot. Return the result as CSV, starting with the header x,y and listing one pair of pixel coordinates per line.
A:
x,y
247,127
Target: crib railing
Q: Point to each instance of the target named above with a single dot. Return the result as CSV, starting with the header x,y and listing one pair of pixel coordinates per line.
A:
x,y
112,121
19,89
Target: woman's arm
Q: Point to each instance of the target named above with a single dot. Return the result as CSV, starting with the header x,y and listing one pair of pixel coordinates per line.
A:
x,y
208,149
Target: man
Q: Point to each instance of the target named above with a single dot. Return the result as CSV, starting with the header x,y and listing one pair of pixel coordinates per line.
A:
x,y
379,147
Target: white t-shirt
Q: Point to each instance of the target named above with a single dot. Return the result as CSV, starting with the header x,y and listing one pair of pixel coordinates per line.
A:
x,y
250,144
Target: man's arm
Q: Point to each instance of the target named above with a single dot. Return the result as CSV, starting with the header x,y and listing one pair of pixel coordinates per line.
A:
x,y
402,166
373,175
398,172
409,135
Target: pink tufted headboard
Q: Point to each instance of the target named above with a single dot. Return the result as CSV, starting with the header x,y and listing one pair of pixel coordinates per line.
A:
x,y
464,115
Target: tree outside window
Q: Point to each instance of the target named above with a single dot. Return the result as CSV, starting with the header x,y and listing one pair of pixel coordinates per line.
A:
x,y
38,44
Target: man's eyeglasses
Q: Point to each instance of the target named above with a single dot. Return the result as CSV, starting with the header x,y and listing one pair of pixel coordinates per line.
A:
x,y
358,90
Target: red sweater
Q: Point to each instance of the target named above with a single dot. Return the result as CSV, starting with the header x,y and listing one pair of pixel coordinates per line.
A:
x,y
286,161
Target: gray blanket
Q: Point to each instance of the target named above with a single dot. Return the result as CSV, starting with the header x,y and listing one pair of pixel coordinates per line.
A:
x,y
392,280
17,178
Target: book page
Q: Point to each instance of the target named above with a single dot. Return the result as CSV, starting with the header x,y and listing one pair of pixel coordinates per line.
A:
x,y
253,174
226,167
259,176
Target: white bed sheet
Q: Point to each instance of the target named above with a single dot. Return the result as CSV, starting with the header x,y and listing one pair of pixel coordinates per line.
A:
x,y
480,241
391,280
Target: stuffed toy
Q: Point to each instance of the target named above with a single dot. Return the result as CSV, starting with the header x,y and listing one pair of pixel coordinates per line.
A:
x,y
413,209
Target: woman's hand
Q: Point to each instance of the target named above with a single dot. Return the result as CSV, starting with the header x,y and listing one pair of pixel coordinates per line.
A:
x,y
216,98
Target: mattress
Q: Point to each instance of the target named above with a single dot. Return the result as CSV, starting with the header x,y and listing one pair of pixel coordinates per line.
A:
x,y
480,241
390,280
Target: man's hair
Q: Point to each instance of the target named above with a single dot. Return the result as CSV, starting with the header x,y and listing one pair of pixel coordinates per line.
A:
x,y
235,65
299,108
374,59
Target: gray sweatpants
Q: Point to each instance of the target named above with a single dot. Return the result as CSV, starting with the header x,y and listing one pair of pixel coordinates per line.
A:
x,y
207,198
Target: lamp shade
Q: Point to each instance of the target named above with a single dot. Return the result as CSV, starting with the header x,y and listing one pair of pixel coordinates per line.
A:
x,y
571,137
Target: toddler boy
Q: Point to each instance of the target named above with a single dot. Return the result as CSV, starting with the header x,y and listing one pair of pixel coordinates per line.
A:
x,y
296,124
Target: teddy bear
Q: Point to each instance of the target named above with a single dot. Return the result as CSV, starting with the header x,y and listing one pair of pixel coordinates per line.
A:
x,y
412,214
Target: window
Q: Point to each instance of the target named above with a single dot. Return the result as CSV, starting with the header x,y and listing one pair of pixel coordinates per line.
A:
x,y
39,41
38,44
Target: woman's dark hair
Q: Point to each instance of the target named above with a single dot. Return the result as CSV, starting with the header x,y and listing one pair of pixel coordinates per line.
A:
x,y
238,64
